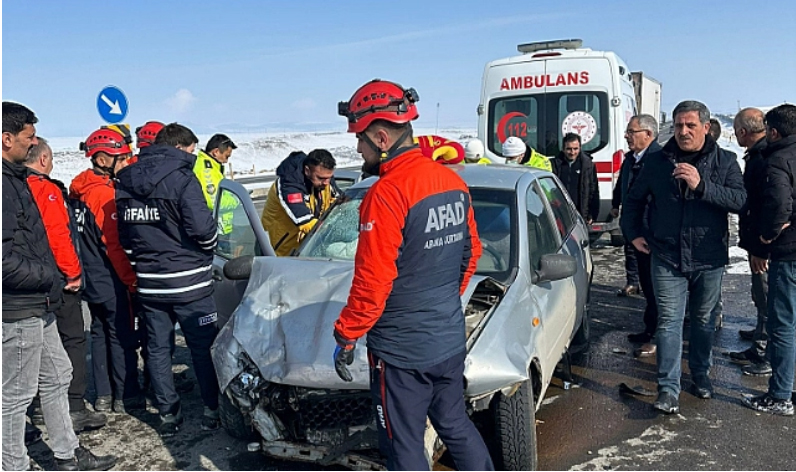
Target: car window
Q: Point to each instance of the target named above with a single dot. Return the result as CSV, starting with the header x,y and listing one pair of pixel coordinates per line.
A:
x,y
494,219
562,211
337,235
235,234
542,234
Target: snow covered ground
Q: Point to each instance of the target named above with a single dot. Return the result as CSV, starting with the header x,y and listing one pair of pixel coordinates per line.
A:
x,y
256,153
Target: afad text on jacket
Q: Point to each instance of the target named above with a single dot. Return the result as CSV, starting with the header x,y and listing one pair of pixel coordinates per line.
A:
x,y
418,248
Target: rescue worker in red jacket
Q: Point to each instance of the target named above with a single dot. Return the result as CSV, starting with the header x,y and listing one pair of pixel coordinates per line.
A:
x,y
52,200
418,247
109,276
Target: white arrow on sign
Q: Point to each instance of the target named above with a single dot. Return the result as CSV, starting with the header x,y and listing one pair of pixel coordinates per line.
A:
x,y
115,108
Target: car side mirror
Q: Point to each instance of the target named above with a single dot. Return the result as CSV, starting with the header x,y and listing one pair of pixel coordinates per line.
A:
x,y
553,267
239,268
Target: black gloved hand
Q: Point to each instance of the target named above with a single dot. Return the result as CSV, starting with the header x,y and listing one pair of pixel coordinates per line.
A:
x,y
343,356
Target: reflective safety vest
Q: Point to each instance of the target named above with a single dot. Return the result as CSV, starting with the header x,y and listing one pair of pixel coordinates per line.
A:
x,y
481,161
539,161
210,173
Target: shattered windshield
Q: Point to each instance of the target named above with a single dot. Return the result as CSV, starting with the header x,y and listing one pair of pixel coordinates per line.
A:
x,y
336,237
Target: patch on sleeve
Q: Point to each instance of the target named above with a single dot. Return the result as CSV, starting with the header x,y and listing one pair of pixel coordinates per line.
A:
x,y
208,319
295,198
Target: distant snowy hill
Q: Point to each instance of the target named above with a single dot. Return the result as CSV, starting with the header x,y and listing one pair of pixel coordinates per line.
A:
x,y
257,152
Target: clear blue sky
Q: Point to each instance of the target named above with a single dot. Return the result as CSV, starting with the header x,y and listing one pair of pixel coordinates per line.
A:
x,y
276,65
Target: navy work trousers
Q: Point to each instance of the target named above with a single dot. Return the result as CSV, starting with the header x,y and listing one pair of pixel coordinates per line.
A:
x,y
198,322
404,397
114,341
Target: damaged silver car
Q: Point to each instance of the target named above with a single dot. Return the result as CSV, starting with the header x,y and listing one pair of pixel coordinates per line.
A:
x,y
526,309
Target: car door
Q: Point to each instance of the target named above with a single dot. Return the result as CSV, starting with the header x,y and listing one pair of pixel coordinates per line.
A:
x,y
240,233
555,297
574,235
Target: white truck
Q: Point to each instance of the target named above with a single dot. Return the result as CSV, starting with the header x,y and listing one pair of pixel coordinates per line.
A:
x,y
553,88
648,95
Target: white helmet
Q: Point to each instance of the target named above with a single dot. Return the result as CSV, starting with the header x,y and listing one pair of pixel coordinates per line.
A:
x,y
474,150
513,147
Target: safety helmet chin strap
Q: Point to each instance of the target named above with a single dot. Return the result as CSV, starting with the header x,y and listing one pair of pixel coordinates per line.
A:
x,y
111,171
390,153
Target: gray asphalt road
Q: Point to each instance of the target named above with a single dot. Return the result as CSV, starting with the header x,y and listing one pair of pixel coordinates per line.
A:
x,y
595,427
589,427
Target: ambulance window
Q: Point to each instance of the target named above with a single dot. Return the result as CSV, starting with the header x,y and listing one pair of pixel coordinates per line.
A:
x,y
585,114
542,120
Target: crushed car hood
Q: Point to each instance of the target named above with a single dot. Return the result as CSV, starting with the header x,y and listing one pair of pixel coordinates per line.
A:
x,y
284,324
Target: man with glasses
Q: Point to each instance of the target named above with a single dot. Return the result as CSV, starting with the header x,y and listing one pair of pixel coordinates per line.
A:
x,y
642,139
303,190
690,186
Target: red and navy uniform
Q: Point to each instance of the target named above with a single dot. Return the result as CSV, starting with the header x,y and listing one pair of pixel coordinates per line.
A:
x,y
109,279
418,248
58,216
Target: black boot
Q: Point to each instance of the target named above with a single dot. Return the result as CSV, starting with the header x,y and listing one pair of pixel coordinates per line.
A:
x,y
85,460
86,419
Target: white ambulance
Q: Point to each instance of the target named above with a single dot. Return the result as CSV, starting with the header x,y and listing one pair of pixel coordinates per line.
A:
x,y
554,88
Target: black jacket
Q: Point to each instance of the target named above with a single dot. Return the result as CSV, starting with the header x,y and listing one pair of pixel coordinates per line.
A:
x,y
754,180
166,226
688,229
778,197
588,203
32,284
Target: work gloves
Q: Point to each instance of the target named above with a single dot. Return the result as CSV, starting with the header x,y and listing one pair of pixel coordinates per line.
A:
x,y
305,229
343,356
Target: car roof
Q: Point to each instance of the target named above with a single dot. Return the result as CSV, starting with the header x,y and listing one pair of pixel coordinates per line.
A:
x,y
496,176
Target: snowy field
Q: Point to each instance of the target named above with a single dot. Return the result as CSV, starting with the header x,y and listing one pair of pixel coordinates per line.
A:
x,y
256,153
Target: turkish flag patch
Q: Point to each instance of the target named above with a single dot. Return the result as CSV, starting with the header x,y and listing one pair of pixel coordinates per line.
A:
x,y
295,198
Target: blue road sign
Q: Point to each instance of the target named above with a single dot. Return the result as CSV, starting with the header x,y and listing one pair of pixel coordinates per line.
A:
x,y
112,104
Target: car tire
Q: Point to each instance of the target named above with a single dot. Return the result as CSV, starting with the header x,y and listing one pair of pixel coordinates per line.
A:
x,y
233,420
582,338
617,238
515,430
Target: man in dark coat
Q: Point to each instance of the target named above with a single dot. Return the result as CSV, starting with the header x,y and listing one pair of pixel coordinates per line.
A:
x,y
642,140
751,133
689,186
170,233
33,357
777,231
576,171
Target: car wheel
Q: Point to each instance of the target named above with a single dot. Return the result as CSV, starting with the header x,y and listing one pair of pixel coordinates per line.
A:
x,y
515,430
617,238
580,342
233,421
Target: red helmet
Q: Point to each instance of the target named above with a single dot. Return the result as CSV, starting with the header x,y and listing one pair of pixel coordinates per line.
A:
x,y
105,140
379,100
146,134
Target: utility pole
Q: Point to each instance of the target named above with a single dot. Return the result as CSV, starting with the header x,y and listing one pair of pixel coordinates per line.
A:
x,y
437,125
